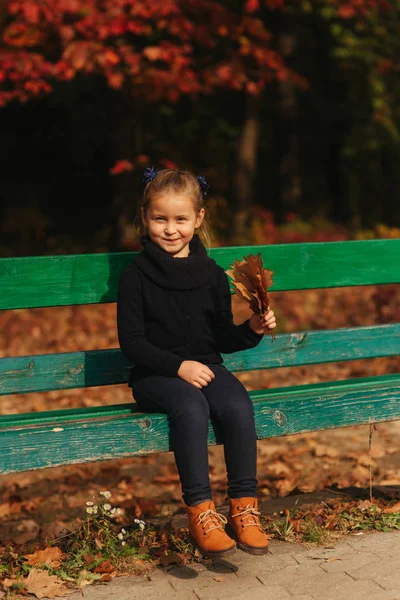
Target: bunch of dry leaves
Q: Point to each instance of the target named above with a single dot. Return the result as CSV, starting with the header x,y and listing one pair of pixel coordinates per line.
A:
x,y
252,282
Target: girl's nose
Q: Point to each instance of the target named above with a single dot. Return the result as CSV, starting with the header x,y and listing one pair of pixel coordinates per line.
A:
x,y
169,228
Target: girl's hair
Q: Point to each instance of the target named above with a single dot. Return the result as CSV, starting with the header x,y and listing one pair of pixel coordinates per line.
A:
x,y
178,182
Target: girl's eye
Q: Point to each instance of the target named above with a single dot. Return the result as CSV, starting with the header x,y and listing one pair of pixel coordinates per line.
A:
x,y
163,219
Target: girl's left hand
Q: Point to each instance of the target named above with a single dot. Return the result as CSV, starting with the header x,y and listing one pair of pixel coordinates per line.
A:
x,y
262,325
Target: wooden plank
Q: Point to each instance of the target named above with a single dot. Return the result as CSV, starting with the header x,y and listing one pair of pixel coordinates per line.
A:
x,y
68,370
278,412
105,367
29,282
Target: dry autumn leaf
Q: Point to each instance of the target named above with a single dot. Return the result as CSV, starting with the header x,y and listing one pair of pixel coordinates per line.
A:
x,y
43,585
105,567
392,509
10,508
8,582
50,556
252,282
172,559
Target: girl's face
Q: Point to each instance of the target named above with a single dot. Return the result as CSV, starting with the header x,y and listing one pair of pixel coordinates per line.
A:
x,y
171,221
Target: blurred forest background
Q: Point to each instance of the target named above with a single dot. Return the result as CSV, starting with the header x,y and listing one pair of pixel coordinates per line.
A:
x,y
290,108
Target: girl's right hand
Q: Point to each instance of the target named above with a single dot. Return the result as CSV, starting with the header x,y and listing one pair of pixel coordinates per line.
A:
x,y
196,373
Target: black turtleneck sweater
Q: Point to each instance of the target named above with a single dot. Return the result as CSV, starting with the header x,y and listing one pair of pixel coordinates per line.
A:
x,y
175,309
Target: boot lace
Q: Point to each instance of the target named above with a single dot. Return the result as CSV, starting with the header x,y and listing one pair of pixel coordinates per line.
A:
x,y
249,512
210,519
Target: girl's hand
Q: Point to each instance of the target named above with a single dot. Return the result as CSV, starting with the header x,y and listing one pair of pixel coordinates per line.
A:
x,y
196,373
262,325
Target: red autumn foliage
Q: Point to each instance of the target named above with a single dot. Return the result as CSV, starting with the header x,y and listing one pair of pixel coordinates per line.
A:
x,y
159,49
121,166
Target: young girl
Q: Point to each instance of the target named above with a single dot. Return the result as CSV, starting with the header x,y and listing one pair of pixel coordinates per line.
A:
x,y
174,319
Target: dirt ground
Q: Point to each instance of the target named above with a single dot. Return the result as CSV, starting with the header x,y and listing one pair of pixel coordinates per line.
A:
x,y
41,504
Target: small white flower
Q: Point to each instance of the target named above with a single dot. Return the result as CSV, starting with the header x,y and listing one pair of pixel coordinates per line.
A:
x,y
95,507
123,543
106,495
89,503
123,530
89,510
120,536
107,506
113,511
141,523
118,511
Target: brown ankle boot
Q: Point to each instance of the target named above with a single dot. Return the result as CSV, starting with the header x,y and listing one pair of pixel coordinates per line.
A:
x,y
206,527
245,525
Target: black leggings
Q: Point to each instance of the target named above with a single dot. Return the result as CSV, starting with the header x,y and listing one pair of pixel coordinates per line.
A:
x,y
189,409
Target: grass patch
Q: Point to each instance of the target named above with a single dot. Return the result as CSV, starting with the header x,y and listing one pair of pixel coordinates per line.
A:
x,y
325,522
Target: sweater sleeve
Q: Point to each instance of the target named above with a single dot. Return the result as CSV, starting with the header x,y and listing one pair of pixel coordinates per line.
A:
x,y
230,337
131,331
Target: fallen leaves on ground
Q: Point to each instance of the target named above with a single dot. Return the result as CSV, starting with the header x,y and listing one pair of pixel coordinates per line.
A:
x,y
40,584
39,506
50,556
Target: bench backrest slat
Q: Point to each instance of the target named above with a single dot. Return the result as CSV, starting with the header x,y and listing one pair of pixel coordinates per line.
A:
x,y
40,281
104,367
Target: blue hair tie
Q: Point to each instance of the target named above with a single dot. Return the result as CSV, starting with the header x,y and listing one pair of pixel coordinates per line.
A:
x,y
149,174
203,184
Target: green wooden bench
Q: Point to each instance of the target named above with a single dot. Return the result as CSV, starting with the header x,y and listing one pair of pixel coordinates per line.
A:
x,y
60,437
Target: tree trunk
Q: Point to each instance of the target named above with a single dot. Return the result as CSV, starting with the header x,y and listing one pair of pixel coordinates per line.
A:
x,y
246,168
128,143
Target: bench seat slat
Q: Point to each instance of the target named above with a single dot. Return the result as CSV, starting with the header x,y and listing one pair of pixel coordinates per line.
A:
x,y
84,437
104,367
28,282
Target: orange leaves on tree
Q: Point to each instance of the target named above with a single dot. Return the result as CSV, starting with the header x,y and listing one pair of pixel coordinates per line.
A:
x,y
252,6
139,162
121,166
153,53
168,164
29,10
273,4
26,71
154,47
252,282
79,55
159,49
21,35
346,11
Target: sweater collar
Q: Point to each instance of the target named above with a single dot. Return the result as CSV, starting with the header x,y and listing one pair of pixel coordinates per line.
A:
x,y
190,272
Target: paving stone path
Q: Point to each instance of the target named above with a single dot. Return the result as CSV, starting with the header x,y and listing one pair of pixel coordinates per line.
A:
x,y
362,567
